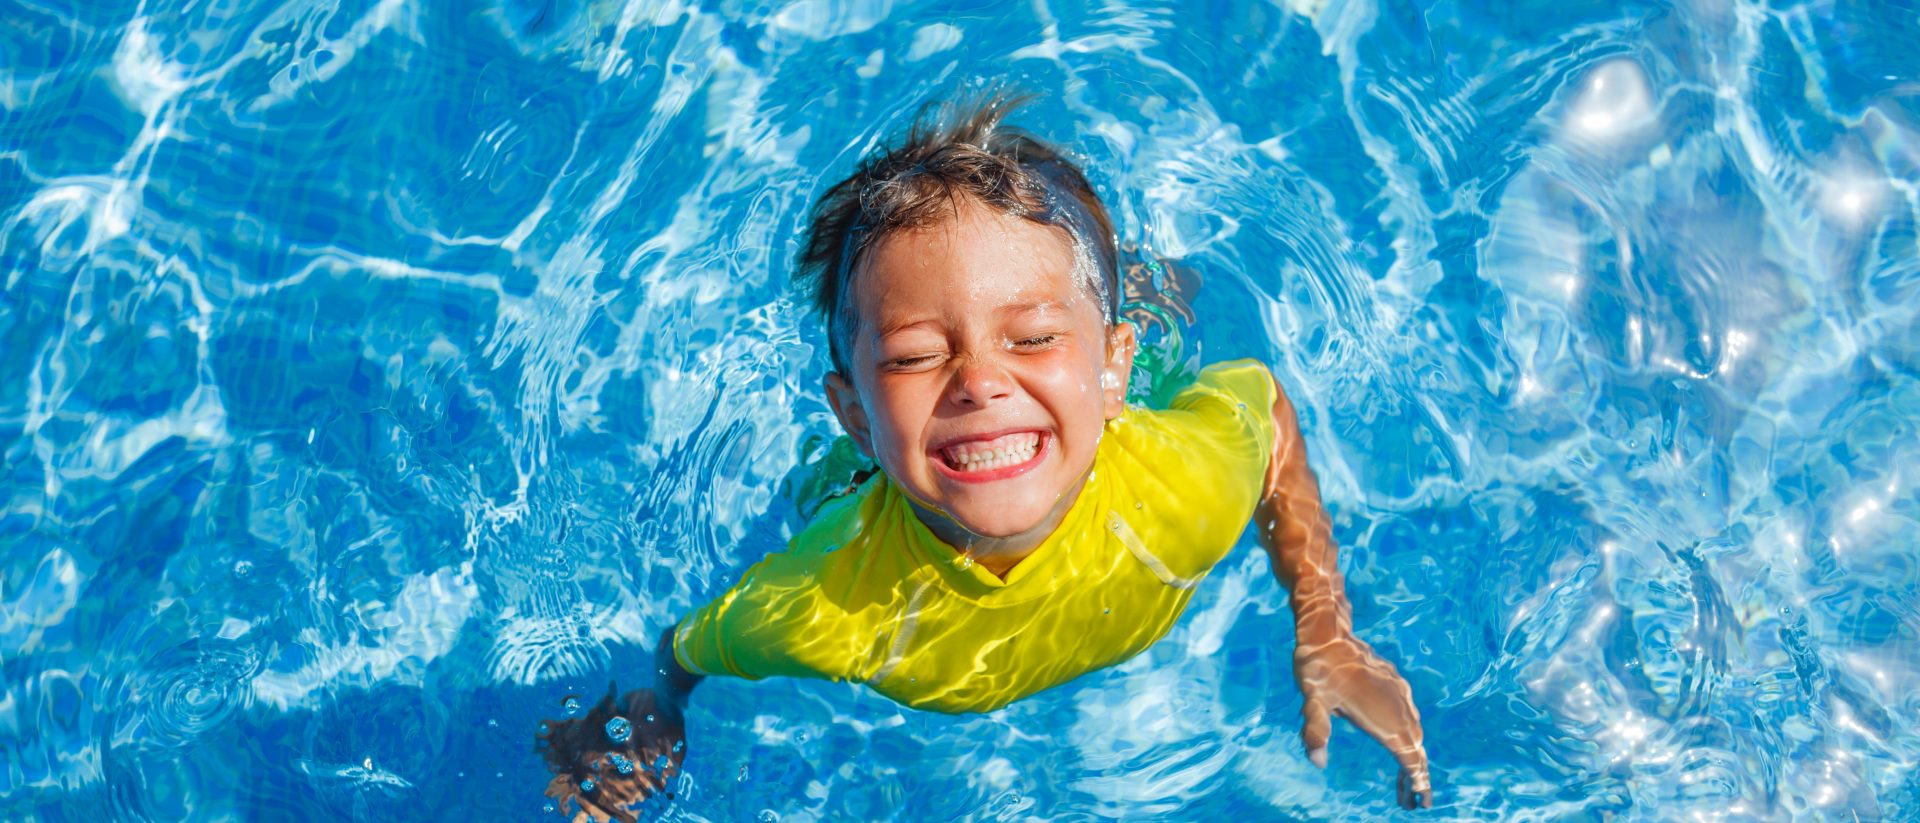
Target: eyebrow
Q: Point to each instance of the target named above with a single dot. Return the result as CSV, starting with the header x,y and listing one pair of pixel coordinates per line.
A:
x,y
1030,307
1033,307
897,326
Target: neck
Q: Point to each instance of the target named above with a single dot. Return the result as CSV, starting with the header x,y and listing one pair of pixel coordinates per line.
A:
x,y
996,554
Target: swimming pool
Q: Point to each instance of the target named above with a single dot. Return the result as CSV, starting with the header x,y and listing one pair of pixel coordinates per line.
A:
x,y
376,375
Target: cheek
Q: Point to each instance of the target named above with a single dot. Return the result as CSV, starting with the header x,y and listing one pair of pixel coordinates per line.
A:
x,y
901,408
1074,391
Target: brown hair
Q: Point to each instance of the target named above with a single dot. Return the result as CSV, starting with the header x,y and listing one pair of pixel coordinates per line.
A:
x,y
953,150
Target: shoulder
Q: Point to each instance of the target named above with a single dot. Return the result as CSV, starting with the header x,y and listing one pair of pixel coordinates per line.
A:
x,y
1194,470
804,611
1229,405
1240,388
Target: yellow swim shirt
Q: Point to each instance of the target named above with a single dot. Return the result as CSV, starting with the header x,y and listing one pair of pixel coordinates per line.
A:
x,y
867,593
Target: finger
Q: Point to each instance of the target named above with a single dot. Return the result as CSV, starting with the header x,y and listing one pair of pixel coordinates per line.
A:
x,y
593,811
1316,730
1415,790
1422,784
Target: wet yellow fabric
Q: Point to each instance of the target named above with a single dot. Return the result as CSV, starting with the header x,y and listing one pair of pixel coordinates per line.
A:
x,y
867,593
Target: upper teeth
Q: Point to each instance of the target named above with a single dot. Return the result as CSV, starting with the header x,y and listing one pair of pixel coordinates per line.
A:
x,y
999,452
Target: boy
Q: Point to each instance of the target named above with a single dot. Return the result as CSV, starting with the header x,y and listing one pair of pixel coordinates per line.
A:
x,y
1026,526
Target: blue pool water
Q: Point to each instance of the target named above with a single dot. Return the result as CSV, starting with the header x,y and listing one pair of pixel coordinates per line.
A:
x,y
376,373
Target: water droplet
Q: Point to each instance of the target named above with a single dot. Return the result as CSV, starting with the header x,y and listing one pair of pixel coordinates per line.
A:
x,y
649,718
768,816
492,723
662,763
549,808
1136,504
678,745
545,730
1108,611
619,730
243,568
620,763
587,785
571,704
965,561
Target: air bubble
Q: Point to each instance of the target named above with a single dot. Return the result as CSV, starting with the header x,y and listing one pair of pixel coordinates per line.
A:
x,y
662,763
620,763
243,568
649,718
678,745
587,785
550,808
619,730
571,704
742,778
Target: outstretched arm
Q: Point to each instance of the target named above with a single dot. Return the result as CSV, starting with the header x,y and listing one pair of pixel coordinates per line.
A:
x,y
1338,673
625,750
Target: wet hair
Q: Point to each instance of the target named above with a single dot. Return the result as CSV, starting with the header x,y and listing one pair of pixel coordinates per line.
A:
x,y
952,151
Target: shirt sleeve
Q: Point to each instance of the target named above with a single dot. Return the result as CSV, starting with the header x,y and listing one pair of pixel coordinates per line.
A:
x,y
1203,464
779,620
1232,405
745,632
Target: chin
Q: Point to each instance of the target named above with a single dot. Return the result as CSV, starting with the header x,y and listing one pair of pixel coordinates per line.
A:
x,y
998,524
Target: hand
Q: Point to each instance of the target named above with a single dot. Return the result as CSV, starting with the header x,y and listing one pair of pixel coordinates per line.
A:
x,y
1343,676
624,774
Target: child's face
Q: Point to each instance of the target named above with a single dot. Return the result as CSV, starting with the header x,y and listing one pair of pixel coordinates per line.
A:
x,y
982,372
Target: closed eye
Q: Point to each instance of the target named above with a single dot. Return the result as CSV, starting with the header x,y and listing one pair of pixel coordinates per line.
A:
x,y
1036,341
912,361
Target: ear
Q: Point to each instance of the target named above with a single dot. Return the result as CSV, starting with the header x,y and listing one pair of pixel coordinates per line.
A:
x,y
1121,344
853,416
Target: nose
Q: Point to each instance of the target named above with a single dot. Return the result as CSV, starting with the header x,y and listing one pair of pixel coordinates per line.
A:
x,y
978,382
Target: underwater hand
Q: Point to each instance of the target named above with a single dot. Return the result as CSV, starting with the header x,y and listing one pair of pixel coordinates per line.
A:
x,y
608,767
1343,676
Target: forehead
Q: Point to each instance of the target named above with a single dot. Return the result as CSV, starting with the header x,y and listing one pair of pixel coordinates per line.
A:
x,y
975,258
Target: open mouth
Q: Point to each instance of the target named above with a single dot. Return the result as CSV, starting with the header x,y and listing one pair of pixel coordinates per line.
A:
x,y
989,459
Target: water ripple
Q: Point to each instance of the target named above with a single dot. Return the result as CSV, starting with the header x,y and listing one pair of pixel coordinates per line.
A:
x,y
378,374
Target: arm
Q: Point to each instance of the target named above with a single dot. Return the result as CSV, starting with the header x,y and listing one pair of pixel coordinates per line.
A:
x,y
673,683
1338,673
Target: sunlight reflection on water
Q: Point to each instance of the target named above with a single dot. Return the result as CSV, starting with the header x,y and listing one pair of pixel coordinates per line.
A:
x,y
376,370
